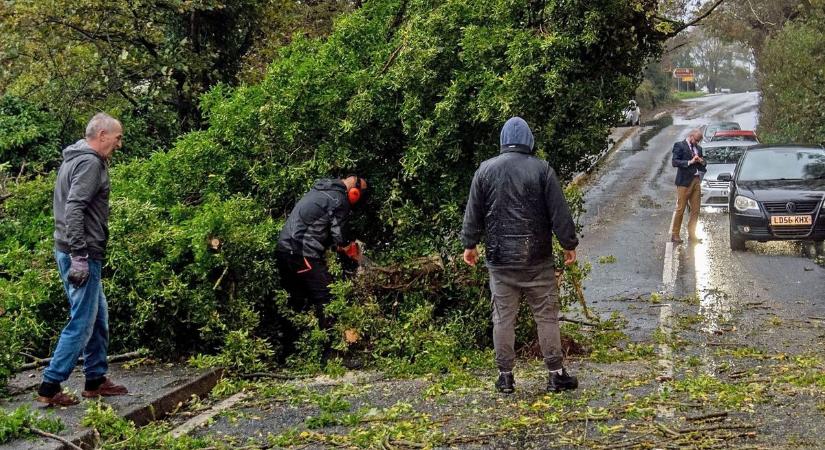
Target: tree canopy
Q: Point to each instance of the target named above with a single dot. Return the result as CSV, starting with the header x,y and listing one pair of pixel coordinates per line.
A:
x,y
146,61
786,39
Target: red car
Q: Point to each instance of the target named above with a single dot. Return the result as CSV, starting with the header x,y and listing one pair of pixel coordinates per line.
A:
x,y
734,135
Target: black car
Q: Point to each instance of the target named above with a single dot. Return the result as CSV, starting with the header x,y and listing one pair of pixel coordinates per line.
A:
x,y
777,193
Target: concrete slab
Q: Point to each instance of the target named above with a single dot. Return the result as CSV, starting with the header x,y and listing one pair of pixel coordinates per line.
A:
x,y
155,390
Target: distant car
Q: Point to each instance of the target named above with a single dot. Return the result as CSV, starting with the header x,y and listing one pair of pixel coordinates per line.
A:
x,y
720,157
777,193
632,114
734,135
710,129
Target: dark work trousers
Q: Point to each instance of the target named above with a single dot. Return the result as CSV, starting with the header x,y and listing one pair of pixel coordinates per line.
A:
x,y
307,281
538,285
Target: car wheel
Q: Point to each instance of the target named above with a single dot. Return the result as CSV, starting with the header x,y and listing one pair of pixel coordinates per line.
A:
x,y
736,242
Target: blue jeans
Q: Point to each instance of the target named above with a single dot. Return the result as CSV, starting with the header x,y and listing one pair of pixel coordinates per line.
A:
x,y
88,327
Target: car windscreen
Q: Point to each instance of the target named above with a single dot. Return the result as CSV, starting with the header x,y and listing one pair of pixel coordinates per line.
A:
x,y
783,164
724,155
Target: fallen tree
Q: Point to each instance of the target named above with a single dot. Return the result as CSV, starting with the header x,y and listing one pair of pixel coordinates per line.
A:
x,y
409,93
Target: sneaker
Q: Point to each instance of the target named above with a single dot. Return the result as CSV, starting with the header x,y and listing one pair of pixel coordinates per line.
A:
x,y
506,383
352,362
563,382
107,389
60,399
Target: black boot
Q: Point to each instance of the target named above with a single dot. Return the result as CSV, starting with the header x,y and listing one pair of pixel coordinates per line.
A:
x,y
563,382
506,383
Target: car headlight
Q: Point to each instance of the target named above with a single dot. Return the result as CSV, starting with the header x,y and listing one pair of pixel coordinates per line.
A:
x,y
744,203
705,183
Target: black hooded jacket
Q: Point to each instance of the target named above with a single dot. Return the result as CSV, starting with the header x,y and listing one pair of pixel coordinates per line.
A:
x,y
517,200
317,221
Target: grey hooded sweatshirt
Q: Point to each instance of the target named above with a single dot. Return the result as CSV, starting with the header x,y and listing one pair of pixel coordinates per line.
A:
x,y
81,202
517,201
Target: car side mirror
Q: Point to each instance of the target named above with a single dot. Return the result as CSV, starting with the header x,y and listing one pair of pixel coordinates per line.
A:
x,y
724,177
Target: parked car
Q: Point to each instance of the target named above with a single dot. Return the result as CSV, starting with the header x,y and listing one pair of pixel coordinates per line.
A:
x,y
710,129
632,114
777,193
721,157
735,135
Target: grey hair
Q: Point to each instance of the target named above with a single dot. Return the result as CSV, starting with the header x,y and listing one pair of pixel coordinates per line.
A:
x,y
100,122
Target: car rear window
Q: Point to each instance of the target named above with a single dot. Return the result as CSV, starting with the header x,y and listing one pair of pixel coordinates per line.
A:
x,y
783,164
712,129
731,138
724,155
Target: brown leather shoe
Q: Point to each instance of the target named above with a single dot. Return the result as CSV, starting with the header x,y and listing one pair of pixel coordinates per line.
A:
x,y
61,399
107,389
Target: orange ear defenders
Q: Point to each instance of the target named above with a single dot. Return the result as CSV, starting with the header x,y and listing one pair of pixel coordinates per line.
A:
x,y
354,193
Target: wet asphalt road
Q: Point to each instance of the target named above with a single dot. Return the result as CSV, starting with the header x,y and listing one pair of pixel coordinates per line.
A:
x,y
630,203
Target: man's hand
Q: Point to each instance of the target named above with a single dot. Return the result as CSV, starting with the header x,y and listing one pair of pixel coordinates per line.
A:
x,y
79,271
569,257
694,160
471,256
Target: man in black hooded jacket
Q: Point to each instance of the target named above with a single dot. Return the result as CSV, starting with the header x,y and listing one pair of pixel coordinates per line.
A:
x,y
516,199
317,223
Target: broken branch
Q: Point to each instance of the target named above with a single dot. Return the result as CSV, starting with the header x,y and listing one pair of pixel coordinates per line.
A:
x,y
65,442
46,361
707,416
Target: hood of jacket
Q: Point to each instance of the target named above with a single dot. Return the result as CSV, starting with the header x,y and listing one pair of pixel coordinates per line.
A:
x,y
79,148
516,135
330,185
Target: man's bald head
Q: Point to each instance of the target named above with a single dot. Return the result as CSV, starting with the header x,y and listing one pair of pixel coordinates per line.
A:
x,y
104,134
695,135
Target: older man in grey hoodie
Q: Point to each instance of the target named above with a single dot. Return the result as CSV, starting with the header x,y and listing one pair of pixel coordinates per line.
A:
x,y
517,200
81,232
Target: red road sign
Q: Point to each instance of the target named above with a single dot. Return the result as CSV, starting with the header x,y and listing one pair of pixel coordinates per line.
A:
x,y
682,72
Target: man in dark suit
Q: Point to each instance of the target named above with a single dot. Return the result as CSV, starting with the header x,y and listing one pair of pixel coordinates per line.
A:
x,y
690,163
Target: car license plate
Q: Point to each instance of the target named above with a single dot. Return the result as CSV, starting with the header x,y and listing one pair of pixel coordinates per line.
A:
x,y
791,220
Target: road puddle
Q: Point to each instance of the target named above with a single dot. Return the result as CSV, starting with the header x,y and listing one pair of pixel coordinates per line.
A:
x,y
714,304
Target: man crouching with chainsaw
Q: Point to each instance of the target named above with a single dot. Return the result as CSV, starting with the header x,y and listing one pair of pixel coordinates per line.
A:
x,y
317,223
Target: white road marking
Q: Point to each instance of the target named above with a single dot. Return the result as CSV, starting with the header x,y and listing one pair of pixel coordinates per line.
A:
x,y
669,272
665,357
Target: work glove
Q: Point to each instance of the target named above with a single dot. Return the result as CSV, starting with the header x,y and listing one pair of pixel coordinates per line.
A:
x,y
79,271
